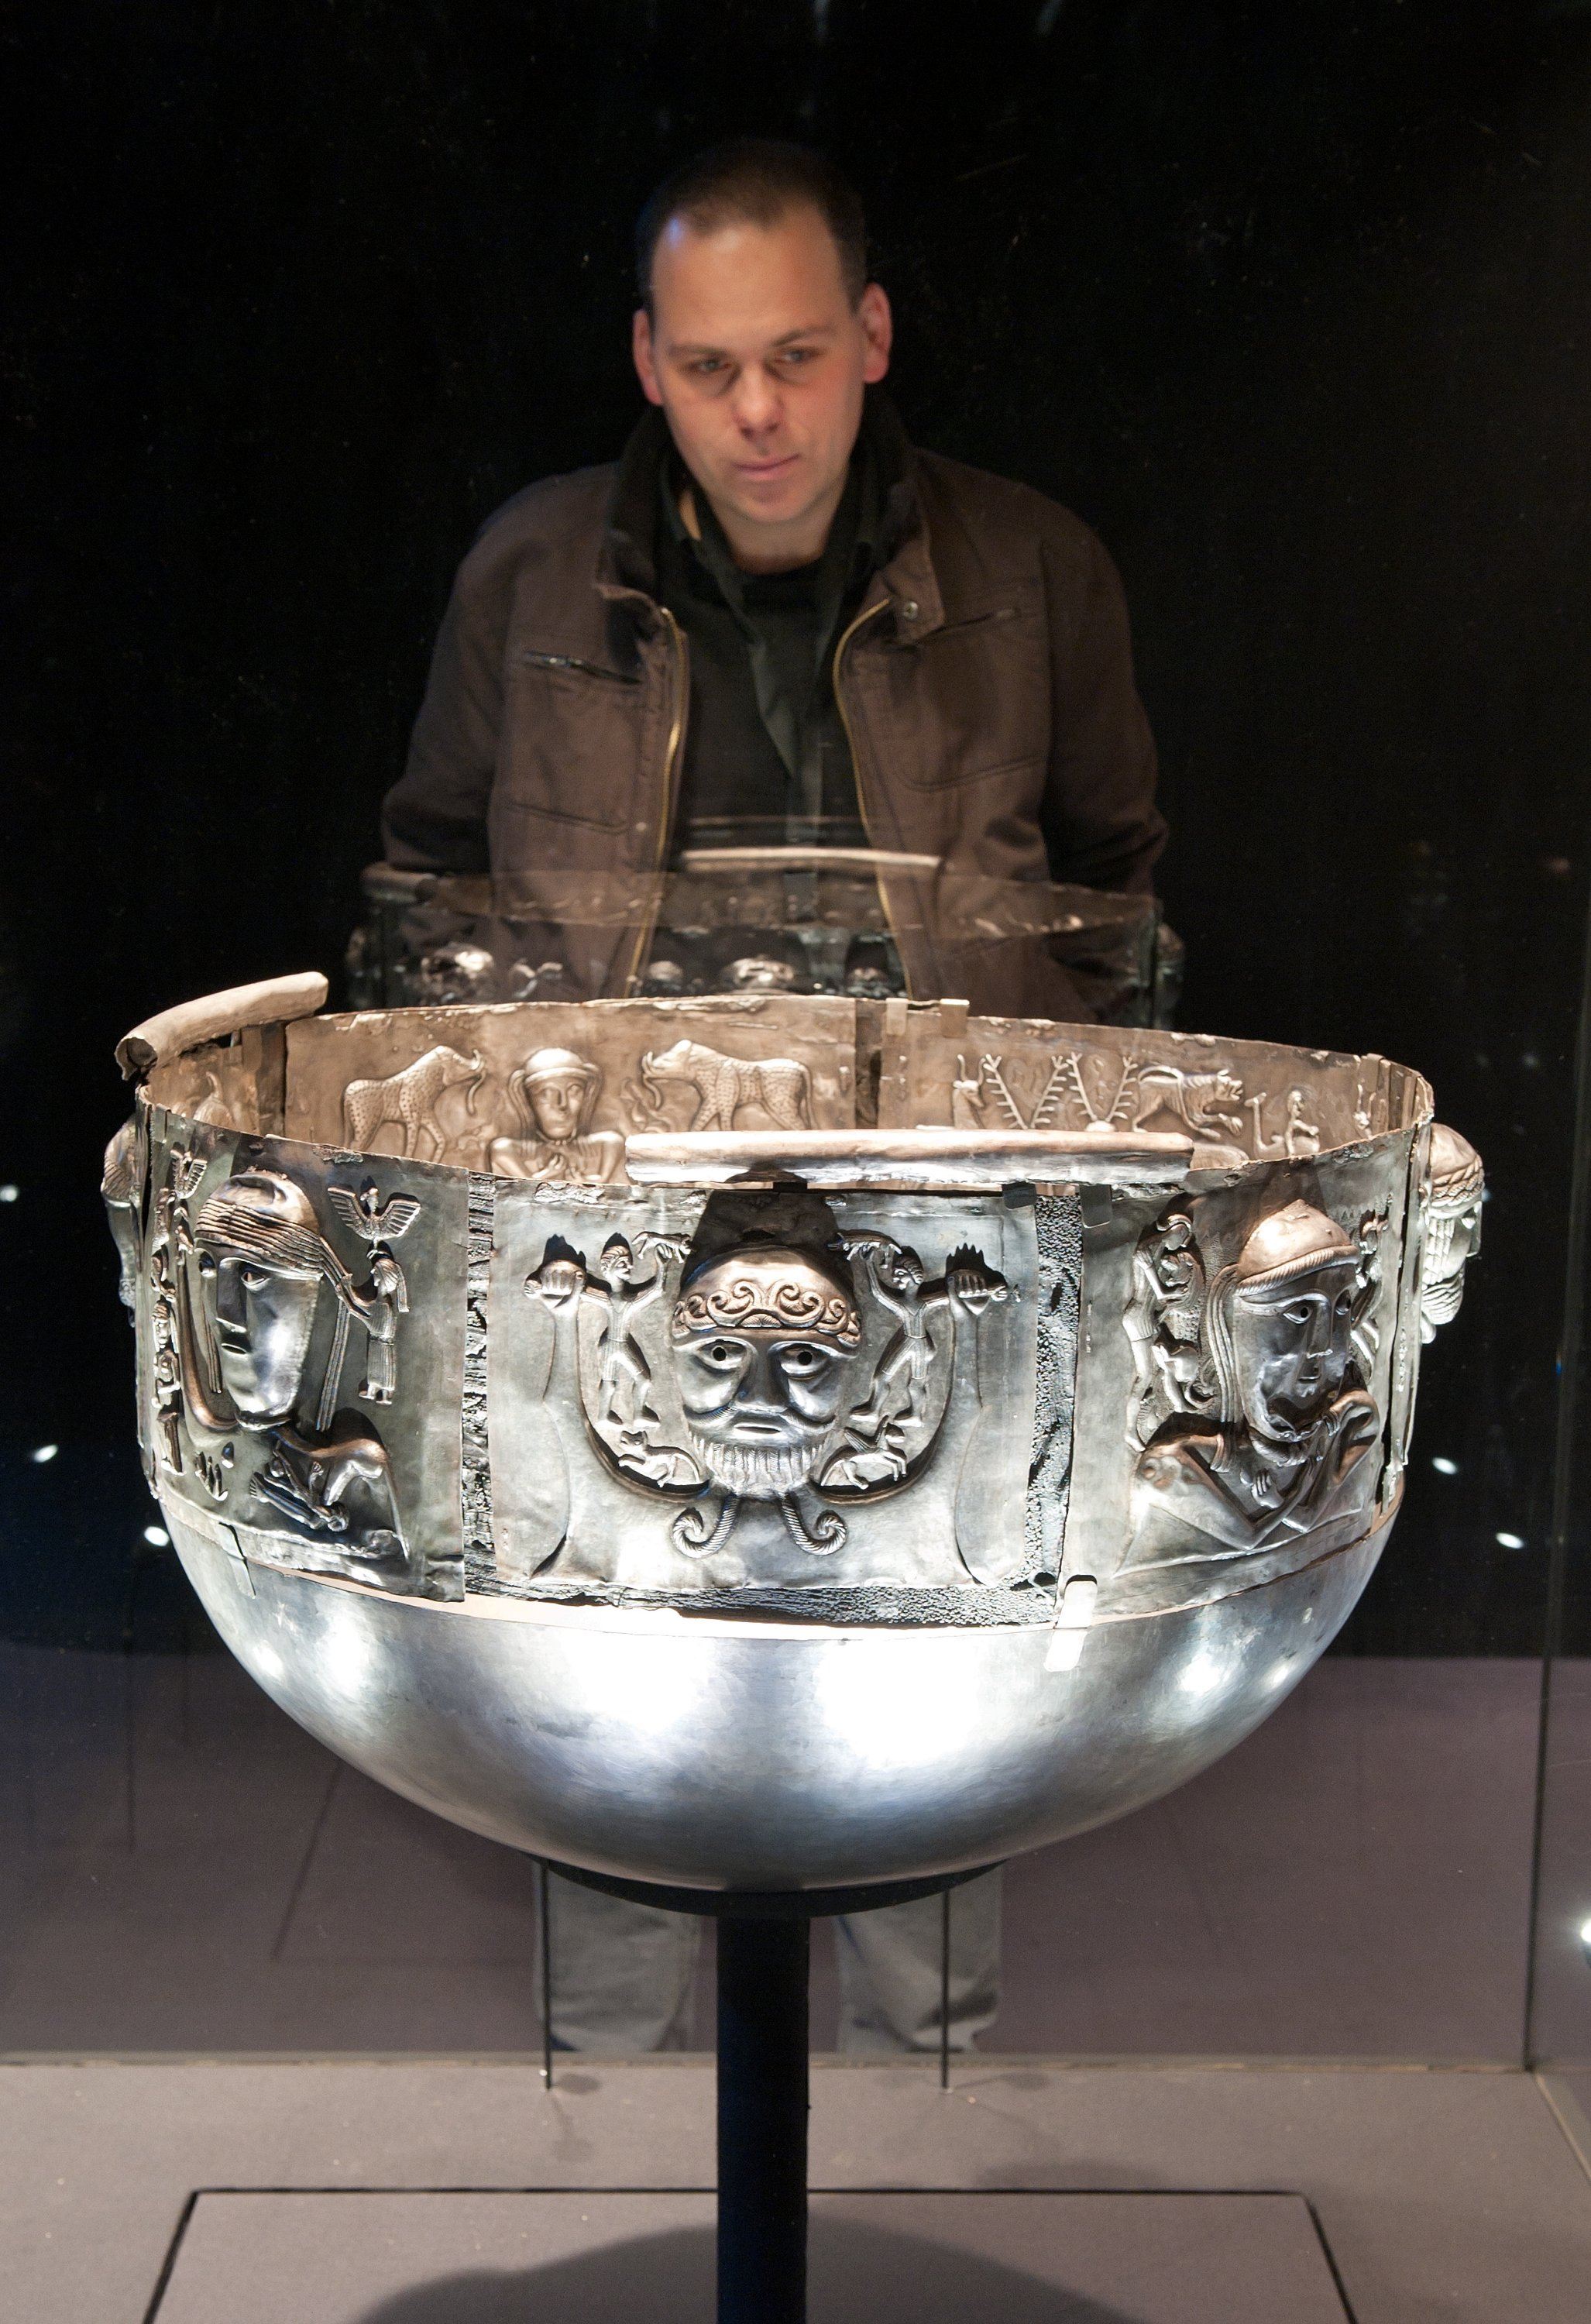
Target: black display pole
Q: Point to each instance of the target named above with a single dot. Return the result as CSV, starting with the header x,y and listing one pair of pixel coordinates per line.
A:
x,y
763,1946
762,2111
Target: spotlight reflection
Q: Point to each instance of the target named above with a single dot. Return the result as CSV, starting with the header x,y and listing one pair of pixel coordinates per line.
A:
x,y
890,1707
1203,1675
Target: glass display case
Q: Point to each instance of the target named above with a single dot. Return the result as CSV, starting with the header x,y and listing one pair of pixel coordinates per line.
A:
x,y
1289,309
754,914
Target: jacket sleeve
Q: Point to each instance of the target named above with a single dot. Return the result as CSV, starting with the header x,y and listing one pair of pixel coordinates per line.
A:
x,y
434,818
1099,817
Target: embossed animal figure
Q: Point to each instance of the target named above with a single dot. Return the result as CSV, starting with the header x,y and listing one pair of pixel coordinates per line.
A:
x,y
1206,1103
409,1100
781,1086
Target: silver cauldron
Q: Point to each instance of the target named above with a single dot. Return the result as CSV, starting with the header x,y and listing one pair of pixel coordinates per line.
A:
x,y
769,1442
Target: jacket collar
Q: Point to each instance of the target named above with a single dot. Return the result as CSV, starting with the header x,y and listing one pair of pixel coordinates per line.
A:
x,y
627,562
626,565
906,570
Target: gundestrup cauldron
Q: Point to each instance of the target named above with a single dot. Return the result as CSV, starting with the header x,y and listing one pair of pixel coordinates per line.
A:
x,y
761,1443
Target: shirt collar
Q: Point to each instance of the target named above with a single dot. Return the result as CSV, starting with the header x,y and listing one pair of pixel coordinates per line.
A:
x,y
888,518
848,555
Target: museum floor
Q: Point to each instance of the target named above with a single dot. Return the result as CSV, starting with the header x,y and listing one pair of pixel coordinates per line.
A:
x,y
427,2194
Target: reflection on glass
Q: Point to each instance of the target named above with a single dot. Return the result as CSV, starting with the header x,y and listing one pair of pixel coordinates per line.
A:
x,y
755,914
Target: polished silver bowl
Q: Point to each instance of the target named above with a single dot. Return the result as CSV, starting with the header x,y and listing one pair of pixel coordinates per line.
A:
x,y
774,1442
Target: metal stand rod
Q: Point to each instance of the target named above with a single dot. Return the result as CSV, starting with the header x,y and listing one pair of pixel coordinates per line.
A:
x,y
762,2110
544,1932
945,1938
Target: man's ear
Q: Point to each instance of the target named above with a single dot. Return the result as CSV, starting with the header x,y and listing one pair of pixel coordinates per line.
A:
x,y
877,329
640,347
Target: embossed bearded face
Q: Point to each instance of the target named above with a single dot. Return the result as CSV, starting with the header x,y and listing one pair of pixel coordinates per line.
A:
x,y
263,1321
763,1345
617,1260
1292,1343
1451,1243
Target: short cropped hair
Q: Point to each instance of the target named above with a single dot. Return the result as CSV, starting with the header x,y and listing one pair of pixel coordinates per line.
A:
x,y
756,181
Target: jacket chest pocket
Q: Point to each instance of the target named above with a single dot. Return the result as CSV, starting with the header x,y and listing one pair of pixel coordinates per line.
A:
x,y
571,741
970,700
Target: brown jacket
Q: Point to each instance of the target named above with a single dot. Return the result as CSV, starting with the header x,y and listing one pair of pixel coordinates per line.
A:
x,y
985,683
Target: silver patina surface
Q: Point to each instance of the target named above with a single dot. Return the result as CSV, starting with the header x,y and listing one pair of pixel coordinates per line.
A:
x,y
770,1441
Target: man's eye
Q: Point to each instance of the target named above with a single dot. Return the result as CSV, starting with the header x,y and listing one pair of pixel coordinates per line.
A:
x,y
254,1277
705,366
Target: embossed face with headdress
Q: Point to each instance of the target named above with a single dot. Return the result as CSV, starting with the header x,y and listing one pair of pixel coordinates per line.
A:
x,y
263,1260
558,1088
763,1342
1452,1226
1280,1323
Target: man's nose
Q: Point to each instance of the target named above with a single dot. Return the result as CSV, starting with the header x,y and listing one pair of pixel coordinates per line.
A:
x,y
230,1305
755,401
761,1386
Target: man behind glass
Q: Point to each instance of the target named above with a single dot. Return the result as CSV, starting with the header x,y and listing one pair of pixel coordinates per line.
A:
x,y
775,607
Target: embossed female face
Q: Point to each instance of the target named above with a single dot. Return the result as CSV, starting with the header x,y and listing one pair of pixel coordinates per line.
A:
x,y
263,1321
1293,1342
558,1103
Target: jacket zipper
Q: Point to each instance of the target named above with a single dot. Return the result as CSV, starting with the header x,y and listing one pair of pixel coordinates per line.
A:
x,y
671,756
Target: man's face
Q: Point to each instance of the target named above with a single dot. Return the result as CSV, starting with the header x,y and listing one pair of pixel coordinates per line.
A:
x,y
759,1404
1292,1343
263,1319
758,360
763,1343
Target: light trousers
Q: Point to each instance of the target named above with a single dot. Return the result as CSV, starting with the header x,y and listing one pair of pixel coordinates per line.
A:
x,y
622,1974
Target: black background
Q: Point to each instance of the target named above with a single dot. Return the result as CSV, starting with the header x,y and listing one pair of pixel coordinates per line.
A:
x,y
1291,303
